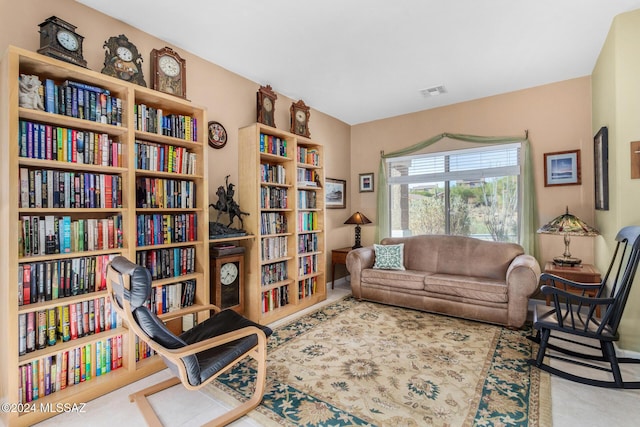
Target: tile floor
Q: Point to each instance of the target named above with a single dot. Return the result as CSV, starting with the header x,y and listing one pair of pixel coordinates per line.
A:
x,y
572,404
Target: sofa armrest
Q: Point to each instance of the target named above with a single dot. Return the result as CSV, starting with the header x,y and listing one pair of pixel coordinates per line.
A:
x,y
523,275
358,260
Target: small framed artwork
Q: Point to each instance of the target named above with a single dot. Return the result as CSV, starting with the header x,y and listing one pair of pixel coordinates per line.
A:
x,y
366,182
335,193
562,168
601,165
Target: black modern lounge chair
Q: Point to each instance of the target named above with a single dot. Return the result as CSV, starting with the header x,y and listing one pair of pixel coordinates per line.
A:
x,y
197,356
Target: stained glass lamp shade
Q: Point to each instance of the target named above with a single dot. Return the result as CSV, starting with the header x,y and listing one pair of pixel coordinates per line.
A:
x,y
568,225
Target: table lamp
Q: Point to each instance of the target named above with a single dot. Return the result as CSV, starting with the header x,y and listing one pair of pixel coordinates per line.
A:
x,y
568,225
357,219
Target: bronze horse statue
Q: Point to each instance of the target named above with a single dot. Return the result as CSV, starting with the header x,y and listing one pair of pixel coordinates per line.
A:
x,y
226,204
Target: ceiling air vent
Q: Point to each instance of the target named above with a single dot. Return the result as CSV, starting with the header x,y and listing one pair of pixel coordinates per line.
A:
x,y
433,91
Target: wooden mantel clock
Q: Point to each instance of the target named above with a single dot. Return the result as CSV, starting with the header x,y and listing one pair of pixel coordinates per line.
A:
x,y
58,39
227,281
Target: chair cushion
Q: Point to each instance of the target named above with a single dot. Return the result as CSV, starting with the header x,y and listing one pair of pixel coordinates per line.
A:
x,y
158,332
215,359
140,282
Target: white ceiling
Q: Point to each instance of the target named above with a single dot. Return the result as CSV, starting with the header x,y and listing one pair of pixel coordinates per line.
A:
x,y
362,60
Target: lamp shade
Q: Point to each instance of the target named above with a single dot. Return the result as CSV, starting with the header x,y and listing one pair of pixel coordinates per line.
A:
x,y
358,218
568,224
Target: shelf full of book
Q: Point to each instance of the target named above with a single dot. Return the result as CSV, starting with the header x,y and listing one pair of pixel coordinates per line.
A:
x,y
281,187
86,181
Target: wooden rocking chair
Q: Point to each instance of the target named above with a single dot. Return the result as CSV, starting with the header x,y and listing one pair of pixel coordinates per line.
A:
x,y
575,316
197,356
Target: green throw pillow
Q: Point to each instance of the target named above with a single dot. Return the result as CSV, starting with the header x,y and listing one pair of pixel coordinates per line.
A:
x,y
389,257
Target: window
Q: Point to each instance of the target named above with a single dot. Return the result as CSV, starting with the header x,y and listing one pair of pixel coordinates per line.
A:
x,y
472,192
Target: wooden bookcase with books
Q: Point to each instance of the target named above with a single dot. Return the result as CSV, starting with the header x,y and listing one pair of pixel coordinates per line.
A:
x,y
280,186
73,195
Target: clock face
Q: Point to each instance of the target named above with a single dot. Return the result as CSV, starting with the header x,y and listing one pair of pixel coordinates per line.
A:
x,y
124,54
268,105
68,40
300,116
169,66
228,273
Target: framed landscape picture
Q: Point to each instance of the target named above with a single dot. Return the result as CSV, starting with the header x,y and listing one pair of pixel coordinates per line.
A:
x,y
366,182
335,193
562,168
601,165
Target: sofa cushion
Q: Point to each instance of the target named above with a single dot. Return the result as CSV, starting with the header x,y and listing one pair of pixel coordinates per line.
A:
x,y
475,288
401,279
389,257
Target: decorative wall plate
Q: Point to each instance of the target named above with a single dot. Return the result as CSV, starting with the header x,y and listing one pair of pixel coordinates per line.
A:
x,y
217,135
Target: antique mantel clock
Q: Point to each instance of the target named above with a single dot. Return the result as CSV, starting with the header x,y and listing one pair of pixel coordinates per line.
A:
x,y
266,105
300,119
58,39
227,281
122,60
168,72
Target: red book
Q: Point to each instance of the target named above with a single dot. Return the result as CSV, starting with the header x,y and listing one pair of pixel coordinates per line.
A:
x,y
26,284
97,316
110,233
74,146
108,191
100,242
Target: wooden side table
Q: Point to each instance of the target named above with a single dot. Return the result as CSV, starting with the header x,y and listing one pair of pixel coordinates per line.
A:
x,y
585,273
338,256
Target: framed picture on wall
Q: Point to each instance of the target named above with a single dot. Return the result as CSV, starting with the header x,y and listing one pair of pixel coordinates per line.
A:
x,y
601,166
562,168
335,193
366,182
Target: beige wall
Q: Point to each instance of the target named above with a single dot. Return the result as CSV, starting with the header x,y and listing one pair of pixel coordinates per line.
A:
x,y
229,98
558,117
616,85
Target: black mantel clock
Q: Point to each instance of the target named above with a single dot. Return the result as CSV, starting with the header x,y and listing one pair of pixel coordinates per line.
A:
x,y
227,281
58,39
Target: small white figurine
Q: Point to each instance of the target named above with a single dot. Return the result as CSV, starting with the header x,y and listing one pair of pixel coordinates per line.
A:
x,y
30,92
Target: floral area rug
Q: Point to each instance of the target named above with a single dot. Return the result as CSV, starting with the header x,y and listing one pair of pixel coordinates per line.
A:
x,y
357,363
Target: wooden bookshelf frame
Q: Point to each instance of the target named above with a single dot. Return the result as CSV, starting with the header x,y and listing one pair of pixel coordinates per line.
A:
x,y
250,159
18,61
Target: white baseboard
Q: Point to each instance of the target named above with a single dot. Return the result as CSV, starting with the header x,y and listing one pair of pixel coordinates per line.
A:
x,y
626,353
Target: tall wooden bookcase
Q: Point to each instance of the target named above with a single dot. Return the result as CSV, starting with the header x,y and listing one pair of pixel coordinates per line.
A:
x,y
108,197
281,186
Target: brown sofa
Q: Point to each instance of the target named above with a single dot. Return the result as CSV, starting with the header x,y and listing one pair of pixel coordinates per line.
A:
x,y
453,275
